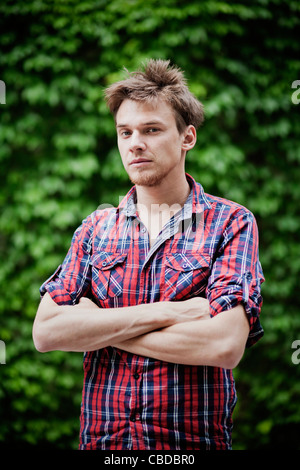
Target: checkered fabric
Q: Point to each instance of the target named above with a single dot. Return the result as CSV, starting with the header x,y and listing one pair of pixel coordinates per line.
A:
x,y
208,249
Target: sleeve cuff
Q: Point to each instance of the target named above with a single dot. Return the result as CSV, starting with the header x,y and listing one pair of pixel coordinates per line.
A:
x,y
54,286
246,291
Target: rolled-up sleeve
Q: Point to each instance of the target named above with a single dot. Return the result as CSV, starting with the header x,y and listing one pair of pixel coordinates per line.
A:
x,y
71,280
236,274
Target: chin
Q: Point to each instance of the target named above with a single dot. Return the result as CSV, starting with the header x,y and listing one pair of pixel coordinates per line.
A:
x,y
148,179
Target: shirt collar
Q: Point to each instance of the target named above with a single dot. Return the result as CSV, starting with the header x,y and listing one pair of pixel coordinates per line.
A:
x,y
196,202
199,201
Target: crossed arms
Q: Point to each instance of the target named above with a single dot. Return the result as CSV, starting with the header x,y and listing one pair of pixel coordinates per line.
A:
x,y
178,332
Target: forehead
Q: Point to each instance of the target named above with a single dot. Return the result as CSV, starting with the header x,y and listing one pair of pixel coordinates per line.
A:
x,y
136,112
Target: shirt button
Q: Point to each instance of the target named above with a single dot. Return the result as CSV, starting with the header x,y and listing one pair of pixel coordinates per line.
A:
x,y
104,263
143,230
136,376
136,417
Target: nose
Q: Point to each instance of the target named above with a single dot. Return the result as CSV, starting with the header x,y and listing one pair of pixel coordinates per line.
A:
x,y
137,143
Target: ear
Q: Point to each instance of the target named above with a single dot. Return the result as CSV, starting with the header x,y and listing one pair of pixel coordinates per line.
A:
x,y
189,138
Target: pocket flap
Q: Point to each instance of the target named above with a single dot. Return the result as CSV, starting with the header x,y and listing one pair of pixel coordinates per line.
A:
x,y
104,260
187,261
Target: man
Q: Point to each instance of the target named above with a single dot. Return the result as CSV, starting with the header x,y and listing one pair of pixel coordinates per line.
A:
x,y
162,294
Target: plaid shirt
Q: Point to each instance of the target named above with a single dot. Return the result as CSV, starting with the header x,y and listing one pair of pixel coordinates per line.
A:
x,y
209,249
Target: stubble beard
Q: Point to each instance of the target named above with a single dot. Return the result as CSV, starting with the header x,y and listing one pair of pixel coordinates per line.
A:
x,y
148,179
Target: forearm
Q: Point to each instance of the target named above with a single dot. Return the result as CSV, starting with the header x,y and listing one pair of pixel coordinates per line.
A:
x,y
85,327
218,341
180,344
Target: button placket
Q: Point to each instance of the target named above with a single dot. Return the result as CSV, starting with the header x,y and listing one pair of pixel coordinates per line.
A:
x,y
135,405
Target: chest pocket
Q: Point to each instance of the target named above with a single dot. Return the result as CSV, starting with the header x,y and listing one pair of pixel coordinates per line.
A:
x,y
186,275
107,271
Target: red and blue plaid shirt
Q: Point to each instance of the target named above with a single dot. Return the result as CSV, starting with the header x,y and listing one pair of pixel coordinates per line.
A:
x,y
209,249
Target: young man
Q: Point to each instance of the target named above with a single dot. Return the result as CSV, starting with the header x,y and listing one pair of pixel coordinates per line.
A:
x,y
162,294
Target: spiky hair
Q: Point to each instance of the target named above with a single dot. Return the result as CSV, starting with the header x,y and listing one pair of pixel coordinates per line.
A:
x,y
158,80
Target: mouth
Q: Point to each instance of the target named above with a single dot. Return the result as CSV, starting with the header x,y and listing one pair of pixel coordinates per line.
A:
x,y
140,162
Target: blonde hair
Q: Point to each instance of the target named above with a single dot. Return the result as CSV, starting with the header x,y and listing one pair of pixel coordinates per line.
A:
x,y
158,80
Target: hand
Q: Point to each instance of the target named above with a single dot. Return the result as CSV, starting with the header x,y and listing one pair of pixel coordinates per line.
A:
x,y
87,303
196,308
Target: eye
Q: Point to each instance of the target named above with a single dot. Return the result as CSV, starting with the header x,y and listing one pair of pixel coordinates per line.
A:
x,y
152,130
125,133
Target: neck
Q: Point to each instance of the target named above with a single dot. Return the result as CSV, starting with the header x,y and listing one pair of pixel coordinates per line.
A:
x,y
164,195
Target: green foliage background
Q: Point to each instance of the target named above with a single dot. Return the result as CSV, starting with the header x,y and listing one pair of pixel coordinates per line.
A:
x,y
59,161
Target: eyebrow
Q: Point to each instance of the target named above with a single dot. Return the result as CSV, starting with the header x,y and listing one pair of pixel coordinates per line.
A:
x,y
150,123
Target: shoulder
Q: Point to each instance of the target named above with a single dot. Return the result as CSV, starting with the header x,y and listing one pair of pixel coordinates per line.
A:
x,y
101,215
229,209
216,206
229,216
98,218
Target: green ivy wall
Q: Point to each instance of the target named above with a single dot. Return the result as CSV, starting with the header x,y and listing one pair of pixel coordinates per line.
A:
x,y
59,162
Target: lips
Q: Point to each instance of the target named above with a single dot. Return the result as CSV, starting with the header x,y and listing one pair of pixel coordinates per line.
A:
x,y
140,162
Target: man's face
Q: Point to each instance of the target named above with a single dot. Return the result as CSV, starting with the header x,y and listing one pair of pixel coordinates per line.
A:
x,y
150,145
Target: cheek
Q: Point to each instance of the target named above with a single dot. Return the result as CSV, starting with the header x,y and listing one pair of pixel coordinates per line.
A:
x,y
122,151
175,150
